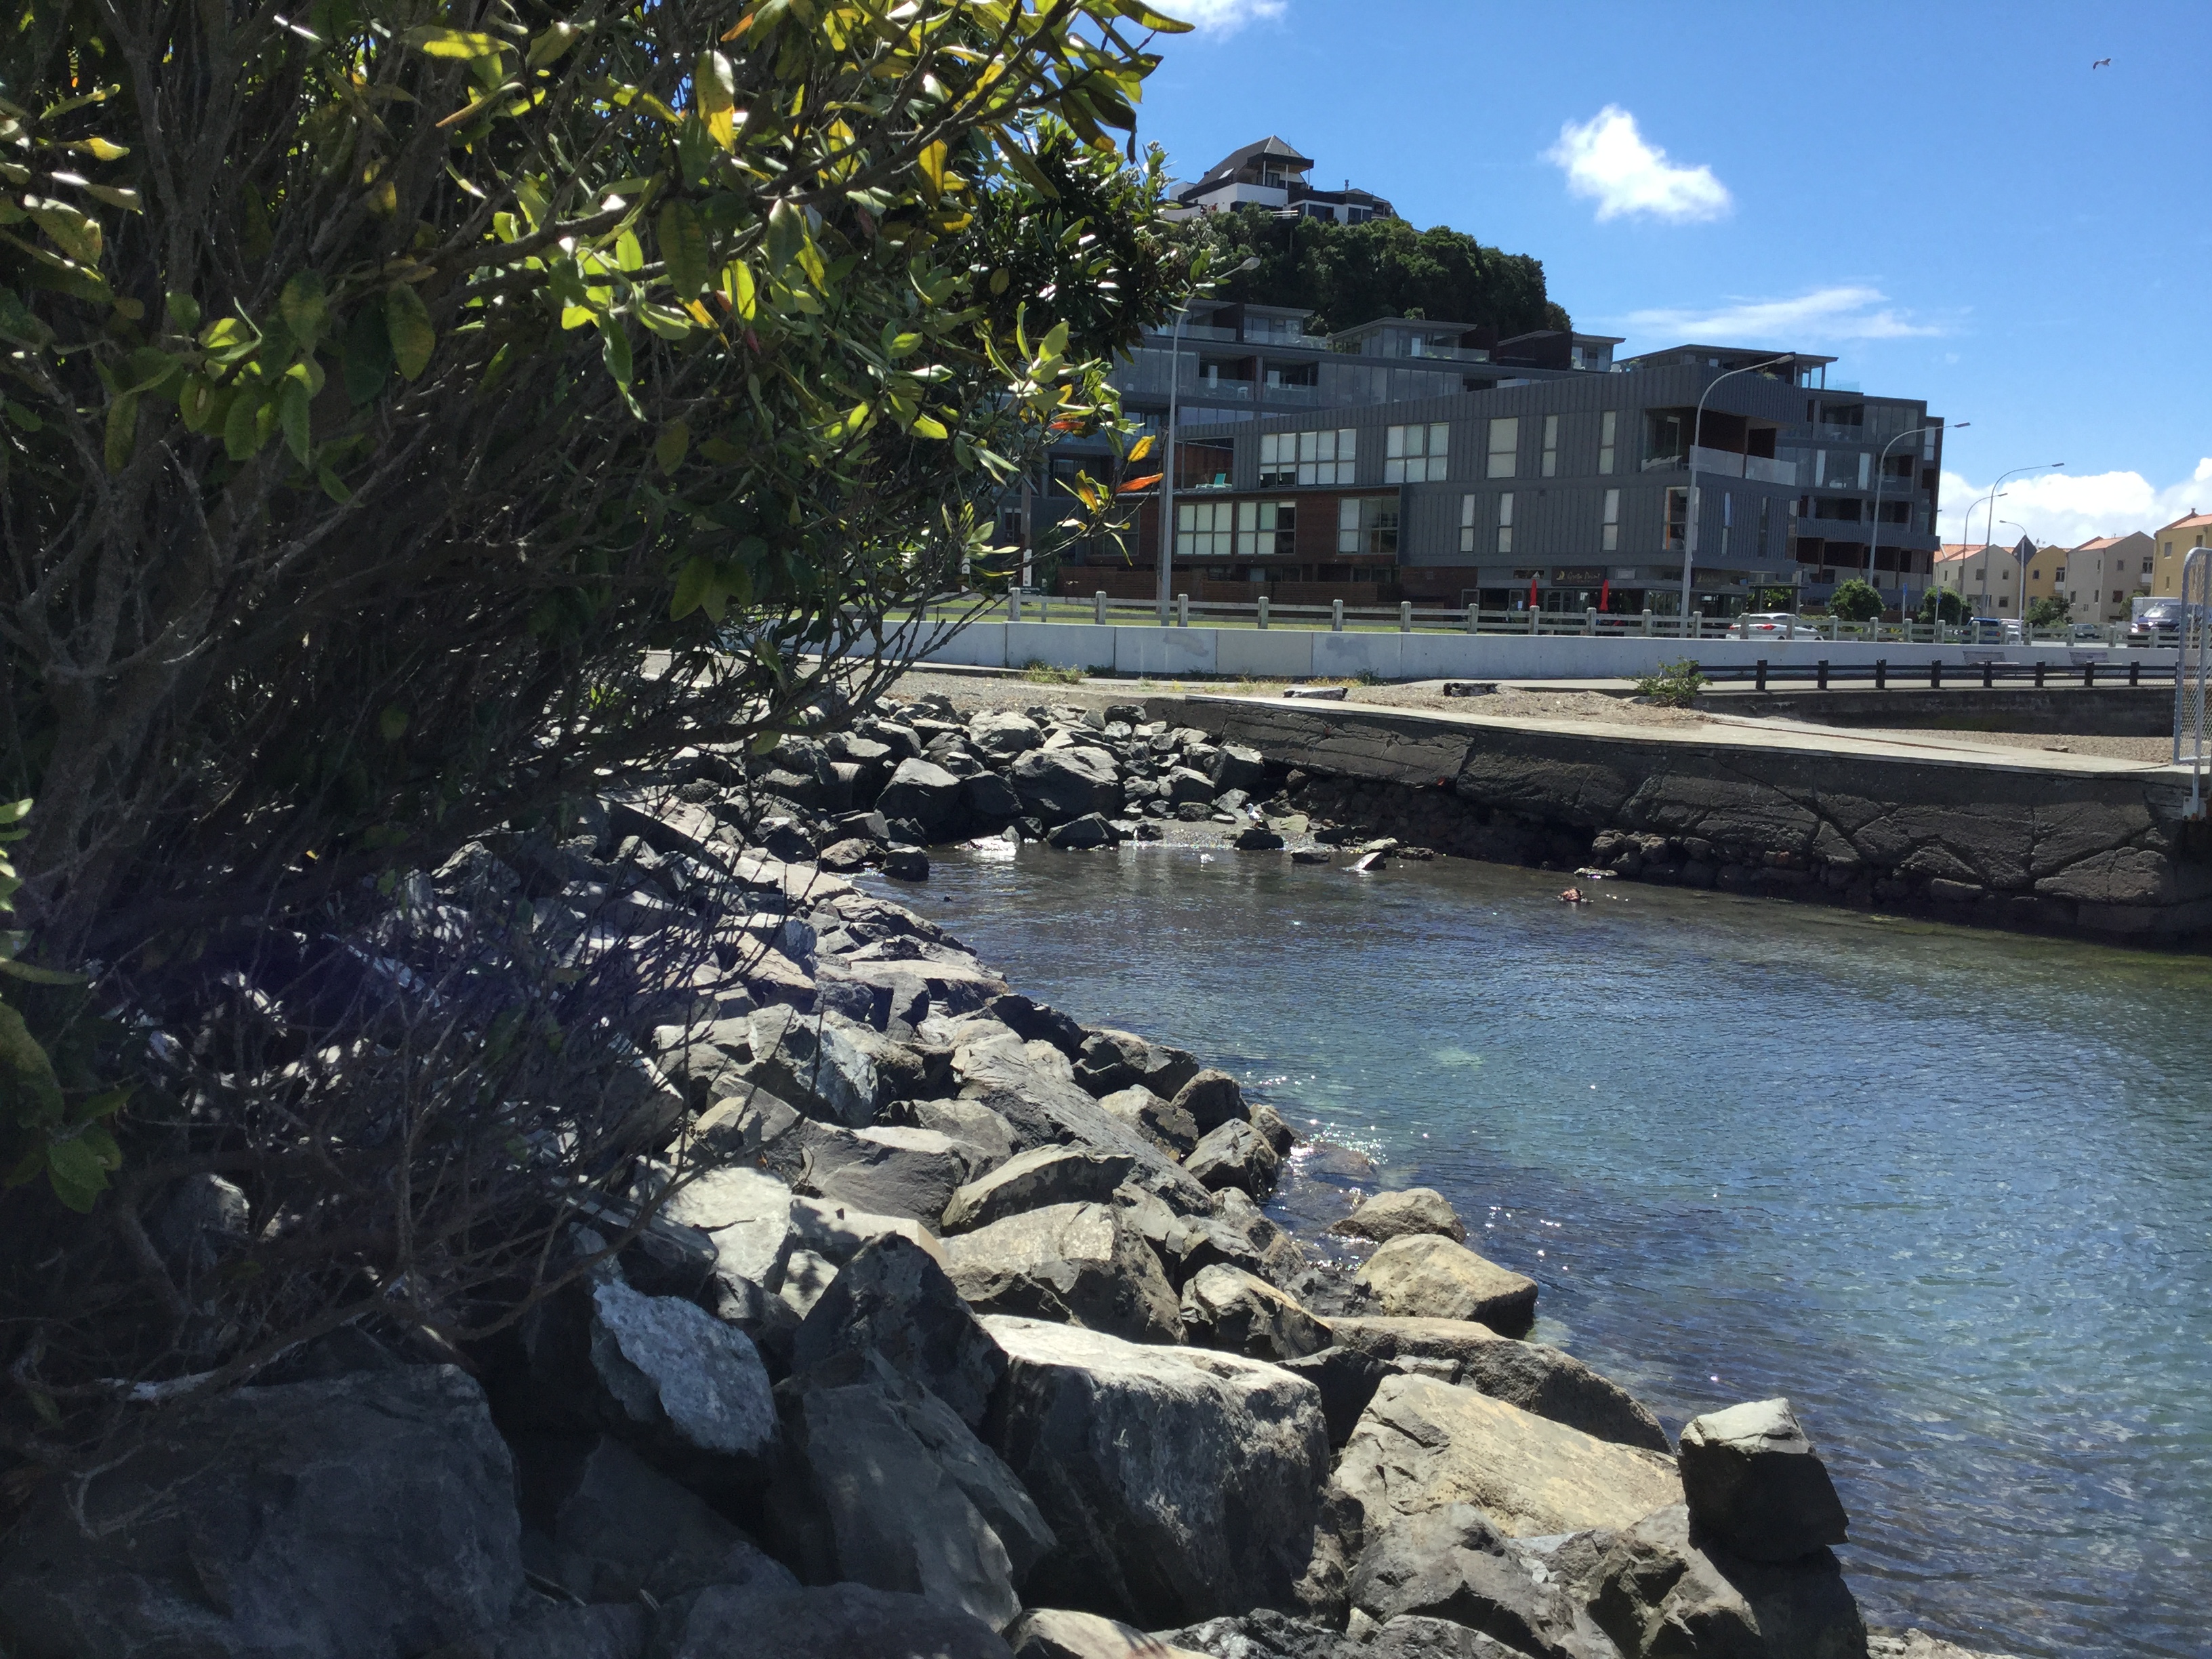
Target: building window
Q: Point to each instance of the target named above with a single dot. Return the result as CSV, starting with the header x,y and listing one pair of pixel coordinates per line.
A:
x,y
1611,542
1367,527
1605,430
1467,524
1678,518
1505,522
2146,565
1415,454
1326,458
1278,459
1504,444
1551,446
2059,574
1266,530
1203,529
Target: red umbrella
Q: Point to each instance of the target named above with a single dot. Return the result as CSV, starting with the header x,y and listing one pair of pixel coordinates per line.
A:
x,y
1532,593
1605,594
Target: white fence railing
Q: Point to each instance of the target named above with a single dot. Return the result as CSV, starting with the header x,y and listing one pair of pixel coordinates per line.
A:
x,y
2192,669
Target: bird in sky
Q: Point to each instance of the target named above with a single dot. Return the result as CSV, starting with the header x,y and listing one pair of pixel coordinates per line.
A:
x,y
2102,63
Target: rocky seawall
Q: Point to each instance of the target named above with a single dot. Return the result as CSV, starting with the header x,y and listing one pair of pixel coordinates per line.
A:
x,y
955,1327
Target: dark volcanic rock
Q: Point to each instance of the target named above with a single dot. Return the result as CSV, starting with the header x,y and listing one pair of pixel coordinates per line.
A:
x,y
1227,1308
841,1621
1081,1264
1657,1594
1235,1155
893,1297
1755,1486
1034,1179
1057,785
1421,1276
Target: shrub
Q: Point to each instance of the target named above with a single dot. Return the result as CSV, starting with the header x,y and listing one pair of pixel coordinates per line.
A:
x,y
2052,610
1675,685
1948,602
1043,673
1855,601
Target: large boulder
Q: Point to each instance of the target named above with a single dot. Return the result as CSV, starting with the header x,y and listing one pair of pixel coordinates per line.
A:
x,y
989,802
560,1631
1167,1126
605,1525
1078,1264
1659,1595
745,1214
1393,1215
1238,767
1002,734
1111,1059
1529,1374
838,1233
1031,1180
1261,1634
824,1064
885,1171
1755,1486
1347,1378
897,1493
1236,1155
1182,1484
367,1517
893,1298
1421,1276
1452,1564
1424,1444
1057,785
837,1621
1060,1633
1227,1308
674,1376
1213,1098
926,793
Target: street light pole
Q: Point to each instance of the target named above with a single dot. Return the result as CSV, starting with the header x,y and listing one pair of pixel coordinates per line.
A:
x,y
1989,525
1874,534
1697,430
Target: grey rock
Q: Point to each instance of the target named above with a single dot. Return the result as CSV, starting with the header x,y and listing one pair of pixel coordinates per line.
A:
x,y
674,1372
806,1278
838,1232
1529,1374
1057,785
1213,1098
1187,787
1236,766
1059,1633
1167,1126
1421,1276
1755,1486
1182,1484
199,1220
839,1621
1346,1378
898,1494
1387,1215
1112,1059
616,1526
560,1633
902,863
746,1213
1424,1444
824,1065
1257,839
924,792
1282,1263
885,1171
989,801
1002,734
1657,1595
1032,1180
1079,1264
361,1516
1451,1563
1235,1155
987,1137
1272,1129
894,1299
1227,1308
1081,834
1038,1022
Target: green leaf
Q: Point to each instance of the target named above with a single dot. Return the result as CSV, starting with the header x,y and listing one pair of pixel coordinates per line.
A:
x,y
291,400
20,1053
78,1171
122,431
365,355
303,308
30,976
454,43
392,723
547,46
407,323
184,311
241,428
927,427
787,234
673,444
75,232
692,582
614,348
684,249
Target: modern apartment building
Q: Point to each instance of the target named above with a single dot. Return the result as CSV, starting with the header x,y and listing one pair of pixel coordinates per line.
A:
x,y
1432,461
1272,174
2170,550
1990,577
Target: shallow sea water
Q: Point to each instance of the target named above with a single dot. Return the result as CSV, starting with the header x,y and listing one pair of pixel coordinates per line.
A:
x,y
1949,1191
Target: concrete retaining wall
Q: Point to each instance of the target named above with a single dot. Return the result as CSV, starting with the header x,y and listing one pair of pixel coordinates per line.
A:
x,y
1302,653
2008,845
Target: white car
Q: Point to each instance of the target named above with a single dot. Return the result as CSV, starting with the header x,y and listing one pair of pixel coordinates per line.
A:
x,y
1771,625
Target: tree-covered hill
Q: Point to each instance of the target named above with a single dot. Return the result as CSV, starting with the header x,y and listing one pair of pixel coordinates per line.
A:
x,y
1352,274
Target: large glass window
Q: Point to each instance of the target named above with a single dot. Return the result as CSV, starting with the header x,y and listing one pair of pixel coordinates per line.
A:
x,y
1504,445
1467,524
1415,454
1611,540
1505,522
1367,527
1551,446
1203,529
1606,424
1326,458
1266,530
1279,458
1678,518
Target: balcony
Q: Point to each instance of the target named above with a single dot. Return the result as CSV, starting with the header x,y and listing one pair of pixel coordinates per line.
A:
x,y
1304,396
1760,469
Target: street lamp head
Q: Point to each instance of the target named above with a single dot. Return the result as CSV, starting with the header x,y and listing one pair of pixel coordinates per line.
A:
x,y
1251,263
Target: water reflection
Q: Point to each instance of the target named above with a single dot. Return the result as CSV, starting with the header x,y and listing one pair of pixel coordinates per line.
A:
x,y
1949,1191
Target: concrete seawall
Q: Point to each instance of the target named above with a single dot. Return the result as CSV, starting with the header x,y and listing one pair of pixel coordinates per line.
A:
x,y
2048,842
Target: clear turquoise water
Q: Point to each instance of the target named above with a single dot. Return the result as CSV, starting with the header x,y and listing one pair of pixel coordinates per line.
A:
x,y
1949,1191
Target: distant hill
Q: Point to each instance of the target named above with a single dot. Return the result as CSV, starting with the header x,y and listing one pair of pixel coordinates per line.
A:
x,y
1352,274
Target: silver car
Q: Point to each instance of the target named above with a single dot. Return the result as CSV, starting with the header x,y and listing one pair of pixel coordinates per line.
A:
x,y
1770,625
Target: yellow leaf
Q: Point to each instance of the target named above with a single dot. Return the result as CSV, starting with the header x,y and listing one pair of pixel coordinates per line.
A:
x,y
932,163
1141,448
454,43
925,426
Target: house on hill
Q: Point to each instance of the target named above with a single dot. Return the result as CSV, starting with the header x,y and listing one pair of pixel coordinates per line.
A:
x,y
1272,174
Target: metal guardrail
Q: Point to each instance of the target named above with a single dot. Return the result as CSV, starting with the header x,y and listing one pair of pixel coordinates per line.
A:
x,y
1408,617
1988,671
2192,667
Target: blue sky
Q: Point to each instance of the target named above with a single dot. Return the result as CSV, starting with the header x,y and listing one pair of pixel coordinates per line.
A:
x,y
1947,198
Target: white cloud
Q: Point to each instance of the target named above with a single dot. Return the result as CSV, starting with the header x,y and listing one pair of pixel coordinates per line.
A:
x,y
1223,16
1606,158
2054,507
1826,313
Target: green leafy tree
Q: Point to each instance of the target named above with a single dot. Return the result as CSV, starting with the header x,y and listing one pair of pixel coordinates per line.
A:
x,y
1352,274
412,412
1856,601
1946,603
2051,610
